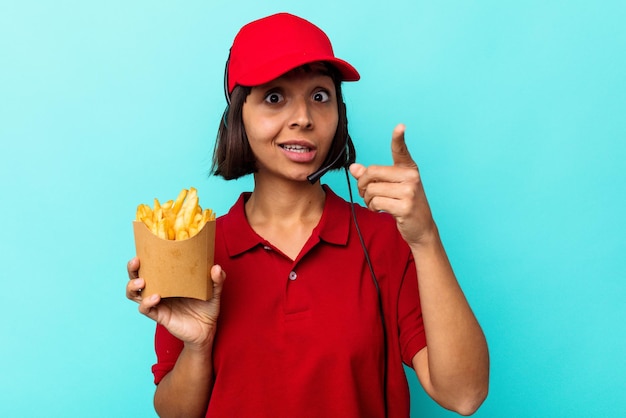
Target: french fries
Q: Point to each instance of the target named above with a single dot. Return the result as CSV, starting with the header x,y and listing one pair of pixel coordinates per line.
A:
x,y
175,219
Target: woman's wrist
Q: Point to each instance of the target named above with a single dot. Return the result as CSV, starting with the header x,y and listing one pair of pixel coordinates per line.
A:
x,y
201,347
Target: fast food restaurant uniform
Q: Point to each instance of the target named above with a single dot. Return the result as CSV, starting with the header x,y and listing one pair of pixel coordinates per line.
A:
x,y
303,337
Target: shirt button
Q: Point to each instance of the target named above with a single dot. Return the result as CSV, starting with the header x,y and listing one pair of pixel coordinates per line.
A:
x,y
267,247
293,275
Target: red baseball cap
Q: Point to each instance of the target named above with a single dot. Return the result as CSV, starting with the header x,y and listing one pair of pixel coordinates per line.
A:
x,y
269,47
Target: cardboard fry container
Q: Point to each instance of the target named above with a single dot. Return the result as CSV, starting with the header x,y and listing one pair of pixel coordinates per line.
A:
x,y
176,268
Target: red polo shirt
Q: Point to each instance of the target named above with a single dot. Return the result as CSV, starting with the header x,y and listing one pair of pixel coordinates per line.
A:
x,y
302,338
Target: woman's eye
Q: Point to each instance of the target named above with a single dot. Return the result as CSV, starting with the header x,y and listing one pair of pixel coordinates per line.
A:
x,y
274,98
321,96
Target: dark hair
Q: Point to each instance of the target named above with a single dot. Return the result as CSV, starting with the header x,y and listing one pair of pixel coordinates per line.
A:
x,y
233,158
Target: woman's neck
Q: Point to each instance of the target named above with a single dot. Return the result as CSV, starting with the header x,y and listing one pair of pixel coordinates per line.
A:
x,y
285,201
285,213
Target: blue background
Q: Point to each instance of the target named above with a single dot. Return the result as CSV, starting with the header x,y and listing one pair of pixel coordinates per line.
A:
x,y
515,112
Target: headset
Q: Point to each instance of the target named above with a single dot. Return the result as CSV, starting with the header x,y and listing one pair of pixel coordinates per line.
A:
x,y
348,150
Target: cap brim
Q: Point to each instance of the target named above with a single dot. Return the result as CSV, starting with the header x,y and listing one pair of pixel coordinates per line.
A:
x,y
277,68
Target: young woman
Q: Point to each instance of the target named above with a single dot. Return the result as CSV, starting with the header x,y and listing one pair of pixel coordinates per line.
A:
x,y
324,300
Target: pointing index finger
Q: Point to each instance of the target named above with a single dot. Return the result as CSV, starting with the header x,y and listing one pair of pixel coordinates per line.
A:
x,y
399,151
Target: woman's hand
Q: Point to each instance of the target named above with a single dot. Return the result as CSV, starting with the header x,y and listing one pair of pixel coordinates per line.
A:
x,y
454,368
193,321
398,190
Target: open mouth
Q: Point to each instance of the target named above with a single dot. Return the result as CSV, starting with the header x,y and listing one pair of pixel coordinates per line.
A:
x,y
295,148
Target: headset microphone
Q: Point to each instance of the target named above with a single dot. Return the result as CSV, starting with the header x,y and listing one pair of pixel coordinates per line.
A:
x,y
314,177
348,148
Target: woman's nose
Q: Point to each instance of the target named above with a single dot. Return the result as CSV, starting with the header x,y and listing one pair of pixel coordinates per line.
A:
x,y
301,116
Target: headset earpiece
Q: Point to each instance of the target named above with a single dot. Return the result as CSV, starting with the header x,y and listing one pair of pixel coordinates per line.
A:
x,y
226,93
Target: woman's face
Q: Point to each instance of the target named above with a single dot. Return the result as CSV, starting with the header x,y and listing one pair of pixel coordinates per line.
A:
x,y
290,123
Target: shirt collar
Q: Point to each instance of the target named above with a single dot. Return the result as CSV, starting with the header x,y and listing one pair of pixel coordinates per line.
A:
x,y
333,227
335,223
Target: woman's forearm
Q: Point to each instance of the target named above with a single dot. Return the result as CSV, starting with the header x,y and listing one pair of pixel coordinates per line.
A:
x,y
455,366
185,391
